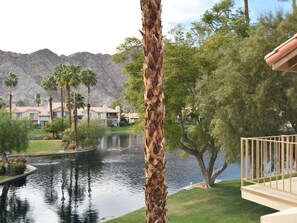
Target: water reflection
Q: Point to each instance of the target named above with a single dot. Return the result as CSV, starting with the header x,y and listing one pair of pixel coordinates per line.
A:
x,y
89,187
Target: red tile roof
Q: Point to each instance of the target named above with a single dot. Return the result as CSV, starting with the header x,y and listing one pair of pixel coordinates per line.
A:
x,y
284,57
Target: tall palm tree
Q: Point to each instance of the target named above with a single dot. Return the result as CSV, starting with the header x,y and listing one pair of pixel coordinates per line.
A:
x,y
88,78
155,185
77,102
70,78
59,70
10,81
49,84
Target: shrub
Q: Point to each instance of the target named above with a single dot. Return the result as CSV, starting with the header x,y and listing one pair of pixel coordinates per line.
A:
x,y
17,168
19,159
47,137
2,169
71,146
56,126
88,135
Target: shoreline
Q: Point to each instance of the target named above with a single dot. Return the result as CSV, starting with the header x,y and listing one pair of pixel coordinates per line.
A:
x,y
30,170
60,152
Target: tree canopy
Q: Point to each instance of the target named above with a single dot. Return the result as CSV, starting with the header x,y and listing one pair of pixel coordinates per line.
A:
x,y
217,85
14,134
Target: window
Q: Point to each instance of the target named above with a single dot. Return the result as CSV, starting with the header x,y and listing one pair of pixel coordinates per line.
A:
x,y
18,115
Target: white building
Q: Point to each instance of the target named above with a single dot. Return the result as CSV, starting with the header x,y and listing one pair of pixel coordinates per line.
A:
x,y
41,115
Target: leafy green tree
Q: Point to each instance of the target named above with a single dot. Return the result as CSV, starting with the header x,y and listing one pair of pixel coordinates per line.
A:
x,y
252,99
10,81
130,53
55,127
191,56
20,103
37,99
49,84
14,136
88,134
88,78
2,103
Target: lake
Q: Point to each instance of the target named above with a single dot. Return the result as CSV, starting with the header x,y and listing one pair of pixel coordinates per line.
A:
x,y
95,186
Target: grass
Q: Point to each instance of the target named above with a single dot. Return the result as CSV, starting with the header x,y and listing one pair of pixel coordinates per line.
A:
x,y
4,177
222,203
120,129
43,146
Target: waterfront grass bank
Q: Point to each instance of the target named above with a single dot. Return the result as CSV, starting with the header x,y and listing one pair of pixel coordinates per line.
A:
x,y
223,204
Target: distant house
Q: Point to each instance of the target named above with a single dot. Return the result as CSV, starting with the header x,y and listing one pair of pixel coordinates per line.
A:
x,y
41,115
110,116
37,115
131,117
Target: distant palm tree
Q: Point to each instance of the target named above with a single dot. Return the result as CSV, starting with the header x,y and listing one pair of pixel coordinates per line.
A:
x,y
10,81
88,78
59,70
49,84
37,99
155,183
77,102
79,99
70,78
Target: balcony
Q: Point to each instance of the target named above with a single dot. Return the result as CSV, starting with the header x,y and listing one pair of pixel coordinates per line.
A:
x,y
268,171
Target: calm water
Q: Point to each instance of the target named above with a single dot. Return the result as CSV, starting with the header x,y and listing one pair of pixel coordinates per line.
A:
x,y
91,187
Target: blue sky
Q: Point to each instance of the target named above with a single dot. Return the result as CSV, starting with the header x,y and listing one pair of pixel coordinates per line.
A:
x,y
96,26
258,7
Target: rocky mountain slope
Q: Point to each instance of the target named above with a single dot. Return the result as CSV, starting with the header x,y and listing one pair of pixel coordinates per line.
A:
x,y
31,69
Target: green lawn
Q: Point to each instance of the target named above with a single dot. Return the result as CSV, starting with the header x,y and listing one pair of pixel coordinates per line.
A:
x,y
4,177
121,129
222,203
43,146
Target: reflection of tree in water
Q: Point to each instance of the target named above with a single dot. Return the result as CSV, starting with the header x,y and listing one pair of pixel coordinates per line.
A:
x,y
51,195
12,208
73,190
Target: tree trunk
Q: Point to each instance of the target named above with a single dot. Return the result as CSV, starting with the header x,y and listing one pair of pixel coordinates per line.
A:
x,y
4,193
294,5
50,101
155,183
6,163
88,105
68,104
62,106
209,176
246,11
75,120
10,103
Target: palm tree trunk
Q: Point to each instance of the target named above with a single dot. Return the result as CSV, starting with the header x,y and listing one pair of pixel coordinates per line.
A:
x,y
75,121
68,104
155,185
246,11
10,103
88,105
62,106
50,100
294,5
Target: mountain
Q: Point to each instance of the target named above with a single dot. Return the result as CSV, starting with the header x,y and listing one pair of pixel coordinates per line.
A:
x,y
32,68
